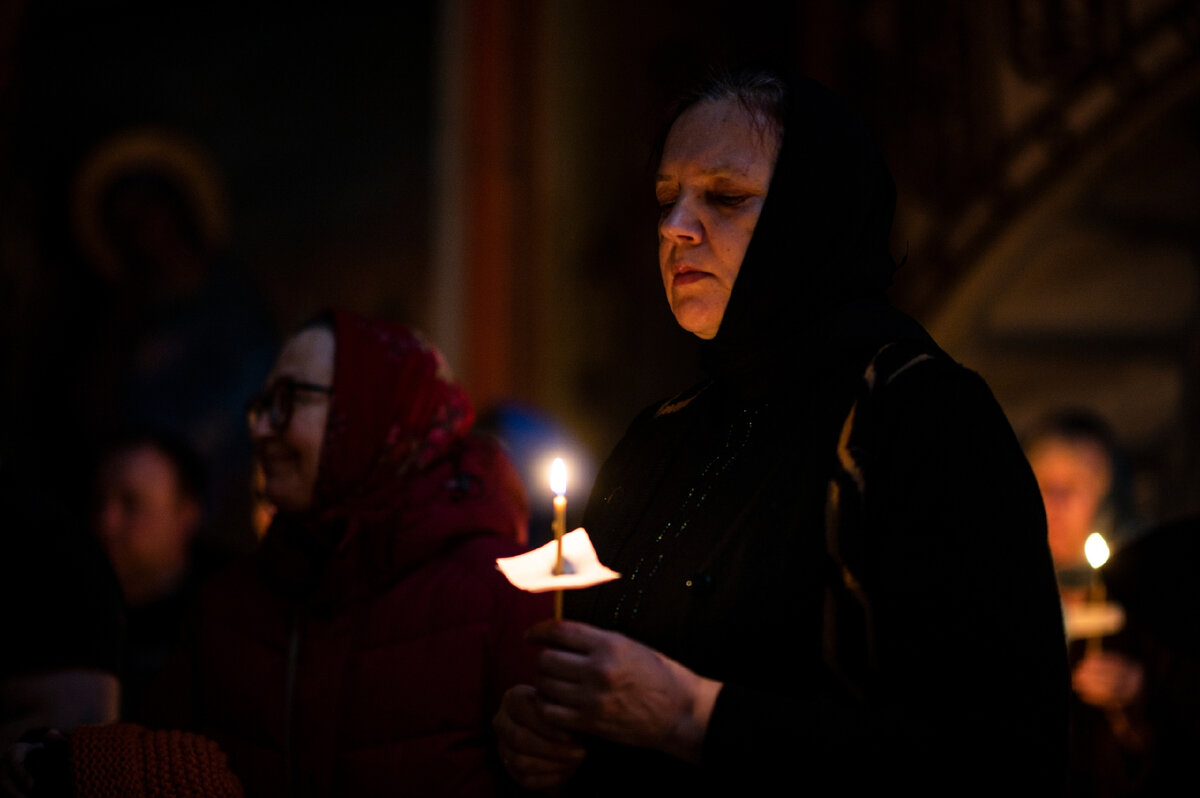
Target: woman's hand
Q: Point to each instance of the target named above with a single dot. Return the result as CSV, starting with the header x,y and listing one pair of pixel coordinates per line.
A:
x,y
536,755
602,683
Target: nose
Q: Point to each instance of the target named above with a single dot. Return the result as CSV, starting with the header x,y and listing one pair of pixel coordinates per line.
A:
x,y
260,426
681,222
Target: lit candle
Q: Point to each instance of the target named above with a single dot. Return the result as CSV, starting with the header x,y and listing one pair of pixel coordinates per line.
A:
x,y
1096,550
558,484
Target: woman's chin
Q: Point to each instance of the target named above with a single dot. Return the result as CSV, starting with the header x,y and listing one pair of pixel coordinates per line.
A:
x,y
703,328
701,318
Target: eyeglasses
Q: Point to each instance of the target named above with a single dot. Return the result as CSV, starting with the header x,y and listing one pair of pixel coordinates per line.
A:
x,y
278,401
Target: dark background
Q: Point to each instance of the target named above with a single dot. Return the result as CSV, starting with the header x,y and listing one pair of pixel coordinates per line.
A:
x,y
480,170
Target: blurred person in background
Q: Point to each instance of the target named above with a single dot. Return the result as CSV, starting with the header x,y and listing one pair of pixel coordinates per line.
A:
x,y
1079,469
1077,463
364,646
150,492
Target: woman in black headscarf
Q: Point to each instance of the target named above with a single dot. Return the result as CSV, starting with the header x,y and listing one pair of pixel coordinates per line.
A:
x,y
834,553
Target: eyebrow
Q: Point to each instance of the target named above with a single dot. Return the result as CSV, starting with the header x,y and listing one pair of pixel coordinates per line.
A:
x,y
715,171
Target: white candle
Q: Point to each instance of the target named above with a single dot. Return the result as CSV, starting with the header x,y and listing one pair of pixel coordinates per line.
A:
x,y
558,484
1095,548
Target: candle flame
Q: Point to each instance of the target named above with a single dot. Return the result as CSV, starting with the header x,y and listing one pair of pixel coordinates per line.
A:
x,y
1095,549
558,477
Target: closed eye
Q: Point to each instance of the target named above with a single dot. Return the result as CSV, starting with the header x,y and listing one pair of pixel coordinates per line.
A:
x,y
730,200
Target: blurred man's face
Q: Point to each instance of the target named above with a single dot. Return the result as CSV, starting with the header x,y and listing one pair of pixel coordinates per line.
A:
x,y
144,521
1074,477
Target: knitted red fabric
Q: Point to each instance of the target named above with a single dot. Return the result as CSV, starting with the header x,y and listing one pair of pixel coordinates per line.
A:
x,y
125,759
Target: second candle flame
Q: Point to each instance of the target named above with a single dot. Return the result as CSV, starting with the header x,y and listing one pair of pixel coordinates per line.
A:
x,y
1096,550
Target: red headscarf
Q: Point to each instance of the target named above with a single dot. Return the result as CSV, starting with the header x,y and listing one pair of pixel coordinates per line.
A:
x,y
395,409
399,476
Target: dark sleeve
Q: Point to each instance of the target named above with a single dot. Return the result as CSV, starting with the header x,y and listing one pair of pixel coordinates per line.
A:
x,y
970,683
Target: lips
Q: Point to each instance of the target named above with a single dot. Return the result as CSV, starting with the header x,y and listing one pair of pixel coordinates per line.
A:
x,y
686,274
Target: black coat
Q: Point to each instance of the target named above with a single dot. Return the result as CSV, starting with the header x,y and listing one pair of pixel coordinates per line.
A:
x,y
916,642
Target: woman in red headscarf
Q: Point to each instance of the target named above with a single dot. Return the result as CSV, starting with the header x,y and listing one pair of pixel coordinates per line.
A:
x,y
363,649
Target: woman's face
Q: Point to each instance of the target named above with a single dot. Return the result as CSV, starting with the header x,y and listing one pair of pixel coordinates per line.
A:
x,y
716,167
289,456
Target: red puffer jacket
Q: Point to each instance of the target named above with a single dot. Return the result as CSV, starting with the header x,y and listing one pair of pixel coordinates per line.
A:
x,y
375,668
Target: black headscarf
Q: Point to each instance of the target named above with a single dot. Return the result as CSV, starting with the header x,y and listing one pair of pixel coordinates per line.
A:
x,y
820,245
